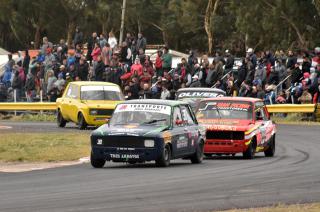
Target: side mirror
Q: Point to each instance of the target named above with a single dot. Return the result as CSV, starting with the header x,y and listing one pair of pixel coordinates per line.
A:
x,y
179,122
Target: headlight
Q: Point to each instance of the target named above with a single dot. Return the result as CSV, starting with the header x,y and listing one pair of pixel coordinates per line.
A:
x,y
149,143
93,112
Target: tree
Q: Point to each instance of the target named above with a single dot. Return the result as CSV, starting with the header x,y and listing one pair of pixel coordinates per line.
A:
x,y
211,12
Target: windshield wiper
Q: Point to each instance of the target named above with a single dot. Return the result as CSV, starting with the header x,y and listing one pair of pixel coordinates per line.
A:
x,y
153,121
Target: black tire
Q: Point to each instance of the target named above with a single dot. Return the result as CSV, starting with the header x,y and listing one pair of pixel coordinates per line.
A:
x,y
272,148
61,122
251,150
82,124
95,162
198,155
164,160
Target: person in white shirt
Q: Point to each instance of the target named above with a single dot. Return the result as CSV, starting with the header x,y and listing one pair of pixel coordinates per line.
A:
x,y
112,40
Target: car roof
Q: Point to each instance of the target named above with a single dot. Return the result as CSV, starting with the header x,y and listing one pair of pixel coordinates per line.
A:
x,y
80,83
202,89
232,98
155,101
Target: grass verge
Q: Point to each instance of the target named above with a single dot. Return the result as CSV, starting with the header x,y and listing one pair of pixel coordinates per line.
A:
x,y
30,117
294,118
43,147
283,208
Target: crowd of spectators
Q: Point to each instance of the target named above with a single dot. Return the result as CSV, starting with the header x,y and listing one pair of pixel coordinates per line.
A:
x,y
277,77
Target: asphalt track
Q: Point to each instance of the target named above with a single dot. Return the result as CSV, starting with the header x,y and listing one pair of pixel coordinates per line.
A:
x,y
292,176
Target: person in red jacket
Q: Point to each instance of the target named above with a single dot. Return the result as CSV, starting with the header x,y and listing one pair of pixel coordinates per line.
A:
x,y
136,68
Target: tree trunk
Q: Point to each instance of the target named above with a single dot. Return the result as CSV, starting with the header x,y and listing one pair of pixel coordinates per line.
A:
x,y
211,11
71,27
37,38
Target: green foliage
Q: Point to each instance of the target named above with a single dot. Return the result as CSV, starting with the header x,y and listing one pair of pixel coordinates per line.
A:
x,y
261,24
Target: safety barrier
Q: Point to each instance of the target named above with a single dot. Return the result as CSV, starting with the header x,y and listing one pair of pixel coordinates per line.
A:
x,y
291,108
317,113
25,106
47,106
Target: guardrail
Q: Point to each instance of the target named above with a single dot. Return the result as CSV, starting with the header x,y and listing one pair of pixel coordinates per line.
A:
x,y
49,106
25,106
291,108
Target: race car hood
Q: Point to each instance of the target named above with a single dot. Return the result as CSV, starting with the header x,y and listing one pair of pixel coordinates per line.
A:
x,y
226,124
100,104
129,130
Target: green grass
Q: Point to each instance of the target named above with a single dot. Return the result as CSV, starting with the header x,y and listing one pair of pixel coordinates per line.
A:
x,y
47,147
283,208
294,118
30,117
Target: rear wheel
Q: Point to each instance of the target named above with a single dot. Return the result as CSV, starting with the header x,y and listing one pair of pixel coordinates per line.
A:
x,y
82,124
198,155
95,162
164,160
61,122
272,148
251,150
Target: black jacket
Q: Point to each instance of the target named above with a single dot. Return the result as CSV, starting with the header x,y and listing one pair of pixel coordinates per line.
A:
x,y
99,70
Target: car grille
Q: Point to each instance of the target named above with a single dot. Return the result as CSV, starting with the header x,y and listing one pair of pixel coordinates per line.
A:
x,y
104,112
225,135
123,141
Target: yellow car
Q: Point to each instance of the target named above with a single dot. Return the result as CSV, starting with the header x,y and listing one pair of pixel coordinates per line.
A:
x,y
88,103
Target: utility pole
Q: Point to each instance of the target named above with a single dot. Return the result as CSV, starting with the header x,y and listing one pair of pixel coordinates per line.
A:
x,y
124,2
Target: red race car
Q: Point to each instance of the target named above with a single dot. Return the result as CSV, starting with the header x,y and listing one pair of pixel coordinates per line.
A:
x,y
236,125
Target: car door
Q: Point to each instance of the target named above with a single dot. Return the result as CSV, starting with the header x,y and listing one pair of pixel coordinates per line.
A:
x,y
74,102
179,138
66,100
190,129
262,121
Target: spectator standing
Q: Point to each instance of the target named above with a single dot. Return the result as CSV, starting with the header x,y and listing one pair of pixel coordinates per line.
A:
x,y
102,40
45,45
252,57
96,52
99,69
229,61
158,64
78,37
91,42
112,40
30,87
141,42
125,54
136,68
166,60
83,69
106,54
26,62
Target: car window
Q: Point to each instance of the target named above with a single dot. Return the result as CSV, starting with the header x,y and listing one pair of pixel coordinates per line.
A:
x,y
260,113
69,92
176,116
74,92
186,115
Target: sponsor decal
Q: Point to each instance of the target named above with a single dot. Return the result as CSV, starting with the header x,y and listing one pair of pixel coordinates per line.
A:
x,y
182,142
197,94
125,149
130,126
99,141
221,127
233,106
124,156
164,109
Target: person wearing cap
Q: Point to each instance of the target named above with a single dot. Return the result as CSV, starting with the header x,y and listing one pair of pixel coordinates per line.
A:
x,y
195,82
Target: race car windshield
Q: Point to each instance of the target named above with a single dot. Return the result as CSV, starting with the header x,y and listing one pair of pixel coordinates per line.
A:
x,y
225,110
193,102
141,114
100,93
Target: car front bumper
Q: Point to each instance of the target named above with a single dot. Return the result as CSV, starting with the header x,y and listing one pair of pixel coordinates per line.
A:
x,y
226,146
118,154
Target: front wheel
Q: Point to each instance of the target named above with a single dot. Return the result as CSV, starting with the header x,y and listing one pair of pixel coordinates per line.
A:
x,y
61,122
271,149
164,160
96,163
251,150
198,155
82,124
